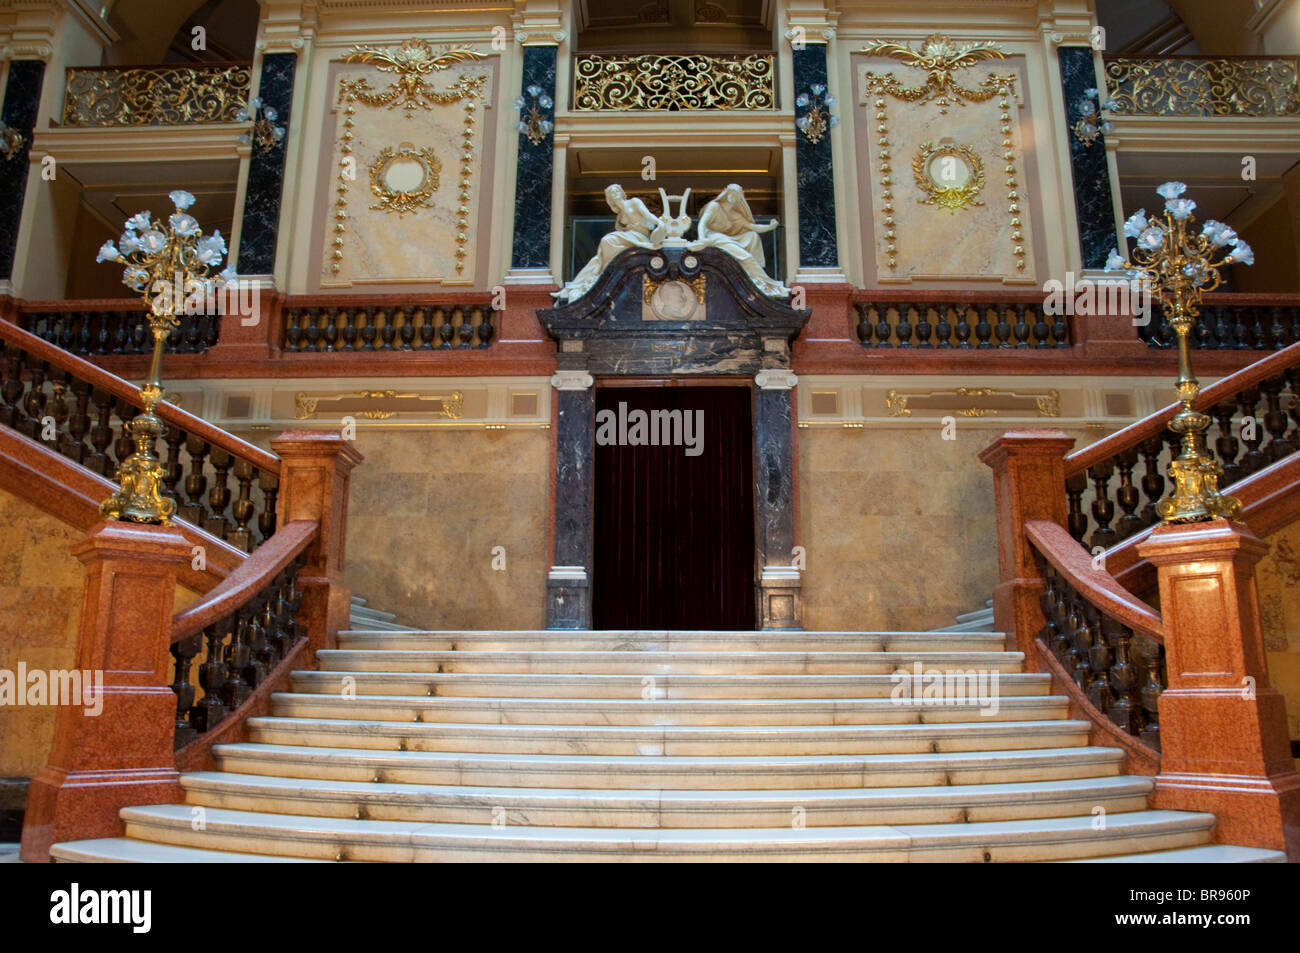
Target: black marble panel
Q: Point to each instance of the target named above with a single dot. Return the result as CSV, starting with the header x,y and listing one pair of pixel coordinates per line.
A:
x,y
261,220
814,171
575,430
773,475
532,241
1092,195
22,99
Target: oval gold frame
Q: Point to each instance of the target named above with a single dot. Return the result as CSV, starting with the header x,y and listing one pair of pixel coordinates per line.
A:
x,y
952,198
408,200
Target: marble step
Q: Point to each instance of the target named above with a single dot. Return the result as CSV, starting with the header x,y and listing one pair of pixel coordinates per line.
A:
x,y
665,663
551,685
673,740
127,850
1209,854
635,711
672,772
365,612
674,641
375,626
365,840
552,807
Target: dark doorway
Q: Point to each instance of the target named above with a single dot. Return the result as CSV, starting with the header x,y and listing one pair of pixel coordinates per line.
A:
x,y
674,530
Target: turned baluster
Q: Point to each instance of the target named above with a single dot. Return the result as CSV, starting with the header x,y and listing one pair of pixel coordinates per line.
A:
x,y
983,330
1251,435
904,325
65,333
407,330
196,482
1239,332
349,330
1021,329
270,652
864,325
1061,330
183,652
1153,479
236,688
1003,329
211,331
1293,402
241,537
79,422
12,389
1103,510
923,328
219,496
466,329
1275,420
1080,643
85,337
331,331
103,333
255,668
387,330
140,334
1225,444
174,438
194,334
943,330
1100,658
1126,709
1076,520
293,333
1042,330
311,332
486,328
121,334
1262,334
269,481
1048,601
101,435
883,329
124,445
211,710
1068,623
369,331
1127,495
34,402
963,328
427,330
1150,656
59,410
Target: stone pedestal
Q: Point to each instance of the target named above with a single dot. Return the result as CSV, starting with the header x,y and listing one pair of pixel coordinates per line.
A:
x,y
122,755
1029,484
315,472
1224,741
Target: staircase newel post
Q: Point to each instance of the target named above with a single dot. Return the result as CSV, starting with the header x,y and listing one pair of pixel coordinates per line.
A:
x,y
315,473
1029,484
112,745
1225,747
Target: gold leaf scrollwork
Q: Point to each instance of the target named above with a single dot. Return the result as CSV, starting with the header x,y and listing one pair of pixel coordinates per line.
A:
x,y
1204,87
959,195
451,406
154,96
1047,403
402,200
673,82
940,57
411,61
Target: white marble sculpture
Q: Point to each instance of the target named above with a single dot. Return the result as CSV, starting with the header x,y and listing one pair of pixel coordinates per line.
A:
x,y
726,224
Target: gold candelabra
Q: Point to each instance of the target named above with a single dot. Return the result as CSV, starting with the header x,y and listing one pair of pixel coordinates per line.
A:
x,y
172,266
1177,266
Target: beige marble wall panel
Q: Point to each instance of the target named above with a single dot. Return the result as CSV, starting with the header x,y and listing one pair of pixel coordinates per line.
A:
x,y
428,507
989,241
382,246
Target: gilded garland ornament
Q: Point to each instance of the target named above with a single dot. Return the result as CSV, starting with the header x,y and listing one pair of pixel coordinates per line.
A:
x,y
163,261
955,183
391,179
411,61
1178,266
940,57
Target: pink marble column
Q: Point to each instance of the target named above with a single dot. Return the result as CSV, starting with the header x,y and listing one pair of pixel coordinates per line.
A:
x,y
121,756
1225,747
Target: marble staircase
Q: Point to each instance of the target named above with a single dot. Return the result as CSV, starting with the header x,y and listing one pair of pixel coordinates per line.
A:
x,y
657,746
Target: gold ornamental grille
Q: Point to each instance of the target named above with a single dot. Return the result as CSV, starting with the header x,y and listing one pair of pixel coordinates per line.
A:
x,y
155,95
1191,86
670,82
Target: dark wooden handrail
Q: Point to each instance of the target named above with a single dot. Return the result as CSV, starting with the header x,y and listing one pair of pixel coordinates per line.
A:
x,y
251,576
1098,587
1144,429
102,380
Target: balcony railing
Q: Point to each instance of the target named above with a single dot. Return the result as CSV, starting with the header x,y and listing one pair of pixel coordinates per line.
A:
x,y
155,95
1203,86
673,82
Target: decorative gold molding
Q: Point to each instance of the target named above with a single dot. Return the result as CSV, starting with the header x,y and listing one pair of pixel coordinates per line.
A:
x,y
402,201
952,197
1204,87
411,61
654,81
1048,402
940,57
154,95
305,406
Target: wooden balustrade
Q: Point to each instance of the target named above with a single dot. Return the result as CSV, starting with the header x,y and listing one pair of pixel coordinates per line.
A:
x,y
933,322
398,327
1234,322
80,410
114,327
1119,480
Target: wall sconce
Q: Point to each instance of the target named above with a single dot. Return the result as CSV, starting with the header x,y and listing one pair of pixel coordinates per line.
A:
x,y
11,141
533,122
265,134
818,119
1091,123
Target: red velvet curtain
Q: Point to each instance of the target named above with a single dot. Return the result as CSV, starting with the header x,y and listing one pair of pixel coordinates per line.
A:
x,y
674,534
